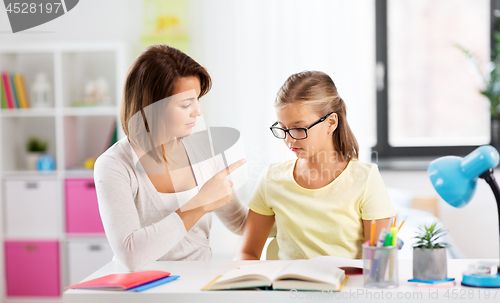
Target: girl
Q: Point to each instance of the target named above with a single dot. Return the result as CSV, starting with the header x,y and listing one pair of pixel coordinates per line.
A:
x,y
156,187
323,201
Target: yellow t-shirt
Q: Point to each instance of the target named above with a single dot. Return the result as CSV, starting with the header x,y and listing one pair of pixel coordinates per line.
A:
x,y
323,221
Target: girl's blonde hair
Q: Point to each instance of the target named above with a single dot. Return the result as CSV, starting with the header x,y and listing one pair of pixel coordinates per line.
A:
x,y
317,90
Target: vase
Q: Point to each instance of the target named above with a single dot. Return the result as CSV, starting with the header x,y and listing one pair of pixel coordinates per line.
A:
x,y
41,91
32,160
46,163
429,263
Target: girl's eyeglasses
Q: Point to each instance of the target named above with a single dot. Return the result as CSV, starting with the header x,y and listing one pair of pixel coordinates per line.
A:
x,y
297,133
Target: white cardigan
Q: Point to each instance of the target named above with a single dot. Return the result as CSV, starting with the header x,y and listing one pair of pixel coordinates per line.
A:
x,y
138,225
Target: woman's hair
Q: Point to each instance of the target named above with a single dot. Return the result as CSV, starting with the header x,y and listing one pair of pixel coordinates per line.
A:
x,y
317,90
151,78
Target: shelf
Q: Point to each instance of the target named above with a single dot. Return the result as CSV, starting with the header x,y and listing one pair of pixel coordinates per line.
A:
x,y
27,112
33,238
29,65
30,174
78,173
81,68
67,111
75,131
33,299
86,137
84,236
15,132
90,111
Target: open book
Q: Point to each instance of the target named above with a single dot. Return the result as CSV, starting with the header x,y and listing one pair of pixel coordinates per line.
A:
x,y
297,274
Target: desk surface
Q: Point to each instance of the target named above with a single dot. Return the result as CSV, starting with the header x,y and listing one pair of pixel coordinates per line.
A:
x,y
196,274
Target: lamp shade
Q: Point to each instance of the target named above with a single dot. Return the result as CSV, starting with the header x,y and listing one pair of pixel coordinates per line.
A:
x,y
455,178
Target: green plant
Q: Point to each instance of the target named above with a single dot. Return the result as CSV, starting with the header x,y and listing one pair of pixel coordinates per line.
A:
x,y
428,236
491,80
35,144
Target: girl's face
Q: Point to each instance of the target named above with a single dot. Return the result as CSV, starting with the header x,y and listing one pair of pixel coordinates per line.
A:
x,y
183,107
319,137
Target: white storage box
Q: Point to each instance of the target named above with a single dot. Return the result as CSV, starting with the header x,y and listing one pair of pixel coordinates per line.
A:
x,y
85,256
32,209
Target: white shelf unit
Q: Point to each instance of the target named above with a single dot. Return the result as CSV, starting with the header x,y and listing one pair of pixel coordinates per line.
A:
x,y
73,134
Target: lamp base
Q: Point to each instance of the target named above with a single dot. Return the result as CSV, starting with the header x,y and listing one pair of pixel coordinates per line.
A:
x,y
473,280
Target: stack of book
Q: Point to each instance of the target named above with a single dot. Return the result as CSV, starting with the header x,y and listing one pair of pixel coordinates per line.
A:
x,y
134,281
13,91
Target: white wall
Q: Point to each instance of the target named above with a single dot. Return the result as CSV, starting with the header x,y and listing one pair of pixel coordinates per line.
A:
x,y
89,20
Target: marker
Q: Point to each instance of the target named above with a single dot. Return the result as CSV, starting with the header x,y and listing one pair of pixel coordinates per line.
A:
x,y
381,237
394,232
388,239
383,260
376,256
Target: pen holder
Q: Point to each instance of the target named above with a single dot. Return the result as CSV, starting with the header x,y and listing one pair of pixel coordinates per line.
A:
x,y
380,268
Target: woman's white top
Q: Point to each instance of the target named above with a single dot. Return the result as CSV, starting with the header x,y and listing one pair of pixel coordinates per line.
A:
x,y
139,224
176,200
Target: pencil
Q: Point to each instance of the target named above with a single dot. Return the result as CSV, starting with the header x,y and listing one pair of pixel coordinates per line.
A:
x,y
389,224
391,264
372,233
401,224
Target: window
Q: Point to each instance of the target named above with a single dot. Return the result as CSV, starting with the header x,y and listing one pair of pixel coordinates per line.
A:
x,y
428,100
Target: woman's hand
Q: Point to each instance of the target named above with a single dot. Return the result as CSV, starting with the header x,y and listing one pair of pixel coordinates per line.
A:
x,y
214,194
217,191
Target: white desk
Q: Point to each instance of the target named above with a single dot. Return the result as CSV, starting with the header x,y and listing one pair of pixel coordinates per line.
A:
x,y
194,275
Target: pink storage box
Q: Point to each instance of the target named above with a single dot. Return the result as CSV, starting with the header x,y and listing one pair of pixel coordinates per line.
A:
x,y
32,268
82,211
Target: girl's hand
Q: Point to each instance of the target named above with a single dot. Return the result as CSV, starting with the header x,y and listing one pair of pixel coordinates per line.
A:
x,y
216,192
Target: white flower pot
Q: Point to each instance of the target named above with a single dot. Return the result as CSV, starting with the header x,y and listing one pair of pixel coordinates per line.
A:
x,y
32,160
429,264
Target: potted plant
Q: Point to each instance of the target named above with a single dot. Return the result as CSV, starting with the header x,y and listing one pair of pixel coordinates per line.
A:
x,y
35,147
429,255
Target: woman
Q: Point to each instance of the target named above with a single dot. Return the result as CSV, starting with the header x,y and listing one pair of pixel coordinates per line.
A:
x,y
157,187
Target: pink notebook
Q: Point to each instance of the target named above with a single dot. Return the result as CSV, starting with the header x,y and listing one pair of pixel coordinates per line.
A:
x,y
122,281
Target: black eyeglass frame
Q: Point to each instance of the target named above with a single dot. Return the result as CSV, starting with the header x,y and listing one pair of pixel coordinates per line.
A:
x,y
303,128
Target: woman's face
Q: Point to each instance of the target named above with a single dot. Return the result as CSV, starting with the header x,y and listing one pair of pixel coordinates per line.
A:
x,y
183,107
319,138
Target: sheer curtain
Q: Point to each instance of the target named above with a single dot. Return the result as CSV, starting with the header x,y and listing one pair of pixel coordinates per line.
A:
x,y
251,47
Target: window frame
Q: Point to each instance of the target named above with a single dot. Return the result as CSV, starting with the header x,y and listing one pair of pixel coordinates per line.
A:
x,y
383,150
